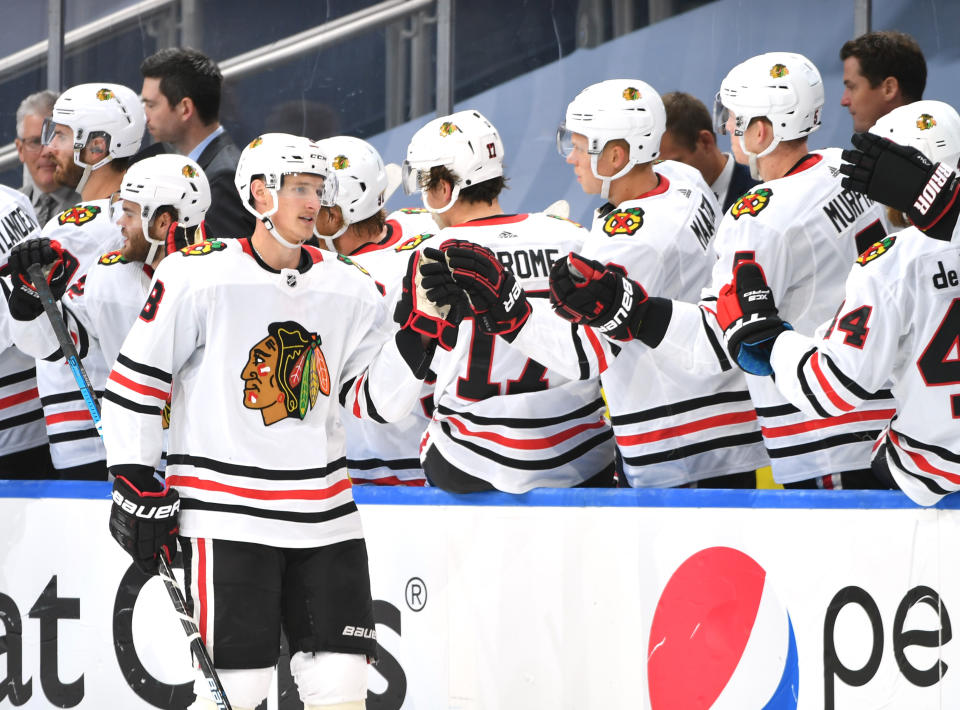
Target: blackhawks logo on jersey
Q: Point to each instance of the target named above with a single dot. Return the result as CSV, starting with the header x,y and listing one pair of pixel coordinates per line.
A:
x,y
752,203
876,250
631,94
626,221
285,373
565,219
341,162
105,94
925,122
112,257
80,214
447,128
412,242
203,248
412,210
778,70
351,262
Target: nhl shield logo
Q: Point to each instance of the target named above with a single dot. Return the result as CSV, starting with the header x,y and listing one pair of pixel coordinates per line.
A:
x,y
292,280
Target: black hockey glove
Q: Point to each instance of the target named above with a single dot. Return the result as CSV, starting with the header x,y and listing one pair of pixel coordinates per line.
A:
x,y
586,292
145,524
903,178
59,266
749,318
500,306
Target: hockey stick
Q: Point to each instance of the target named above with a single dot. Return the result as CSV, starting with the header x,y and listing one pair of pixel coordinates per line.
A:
x,y
89,397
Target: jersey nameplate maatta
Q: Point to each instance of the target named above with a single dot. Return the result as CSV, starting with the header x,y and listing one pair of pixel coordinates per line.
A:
x,y
15,226
285,373
626,221
704,224
752,204
81,214
877,250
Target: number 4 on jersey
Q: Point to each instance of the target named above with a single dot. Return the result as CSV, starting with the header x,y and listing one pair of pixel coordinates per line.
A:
x,y
854,324
940,362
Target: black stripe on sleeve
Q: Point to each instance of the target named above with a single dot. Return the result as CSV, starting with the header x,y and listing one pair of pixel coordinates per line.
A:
x,y
805,386
254,472
930,484
680,407
62,397
371,407
702,447
780,410
538,465
131,405
855,437
392,464
146,370
943,453
581,353
345,390
21,419
718,349
584,411
16,377
854,388
73,435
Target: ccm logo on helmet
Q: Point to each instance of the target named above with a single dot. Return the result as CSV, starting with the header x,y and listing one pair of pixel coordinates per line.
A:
x,y
626,304
161,513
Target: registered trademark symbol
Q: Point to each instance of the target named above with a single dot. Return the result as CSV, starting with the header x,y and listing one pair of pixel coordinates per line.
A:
x,y
416,594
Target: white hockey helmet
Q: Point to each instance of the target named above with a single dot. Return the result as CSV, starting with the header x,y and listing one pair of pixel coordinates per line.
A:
x,y
167,180
110,111
616,109
932,127
270,157
464,142
361,178
783,87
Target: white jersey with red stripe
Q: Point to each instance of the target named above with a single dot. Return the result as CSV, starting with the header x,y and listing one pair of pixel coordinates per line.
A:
x,y
806,231
387,453
899,322
259,362
499,415
85,231
672,426
21,418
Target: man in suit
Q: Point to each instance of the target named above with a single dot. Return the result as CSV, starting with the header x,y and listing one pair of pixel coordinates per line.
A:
x,y
47,196
690,139
181,98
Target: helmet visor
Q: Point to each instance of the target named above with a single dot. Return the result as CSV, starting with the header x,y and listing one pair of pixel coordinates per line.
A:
x,y
720,116
564,140
410,178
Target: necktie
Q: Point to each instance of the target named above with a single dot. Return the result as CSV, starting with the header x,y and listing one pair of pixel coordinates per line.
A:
x,y
46,208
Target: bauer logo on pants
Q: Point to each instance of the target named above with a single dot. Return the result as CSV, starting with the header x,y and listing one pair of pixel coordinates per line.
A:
x,y
285,373
720,637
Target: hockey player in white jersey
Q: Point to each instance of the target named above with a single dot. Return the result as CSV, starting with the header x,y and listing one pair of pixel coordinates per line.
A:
x,y
381,453
502,420
672,427
94,131
806,231
900,317
262,340
24,451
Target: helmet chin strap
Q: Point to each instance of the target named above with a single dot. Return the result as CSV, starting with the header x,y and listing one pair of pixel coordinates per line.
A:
x,y
753,157
605,180
454,194
271,227
328,240
87,169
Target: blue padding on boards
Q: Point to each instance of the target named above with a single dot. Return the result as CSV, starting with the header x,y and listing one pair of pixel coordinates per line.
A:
x,y
553,497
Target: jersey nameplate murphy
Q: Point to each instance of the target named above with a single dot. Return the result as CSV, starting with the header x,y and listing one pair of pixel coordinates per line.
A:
x,y
752,204
844,209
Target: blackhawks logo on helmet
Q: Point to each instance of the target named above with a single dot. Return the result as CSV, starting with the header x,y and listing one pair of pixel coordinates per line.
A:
x,y
878,249
626,221
80,214
255,142
203,248
448,128
189,171
925,122
779,70
752,203
105,94
341,162
413,242
631,94
285,373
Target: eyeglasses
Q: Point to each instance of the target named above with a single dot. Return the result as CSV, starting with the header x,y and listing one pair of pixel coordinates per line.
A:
x,y
31,145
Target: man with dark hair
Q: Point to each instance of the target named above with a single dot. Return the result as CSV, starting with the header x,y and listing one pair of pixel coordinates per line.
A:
x,y
690,139
881,71
181,98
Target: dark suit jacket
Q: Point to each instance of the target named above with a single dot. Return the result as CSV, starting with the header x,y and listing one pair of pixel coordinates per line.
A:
x,y
740,183
226,216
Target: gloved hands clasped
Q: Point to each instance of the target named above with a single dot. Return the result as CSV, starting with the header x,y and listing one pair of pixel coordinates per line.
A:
x,y
58,266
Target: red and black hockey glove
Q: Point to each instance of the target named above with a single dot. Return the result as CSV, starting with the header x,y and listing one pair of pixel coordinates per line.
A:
x,y
499,303
145,524
586,292
58,265
749,318
903,178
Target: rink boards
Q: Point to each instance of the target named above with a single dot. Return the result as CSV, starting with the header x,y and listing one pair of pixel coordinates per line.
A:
x,y
563,599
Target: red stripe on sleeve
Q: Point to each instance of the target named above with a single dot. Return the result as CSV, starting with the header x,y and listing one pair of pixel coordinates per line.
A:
x,y
545,442
814,424
688,428
202,586
597,347
82,415
138,388
18,398
256,494
922,463
825,385
356,398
